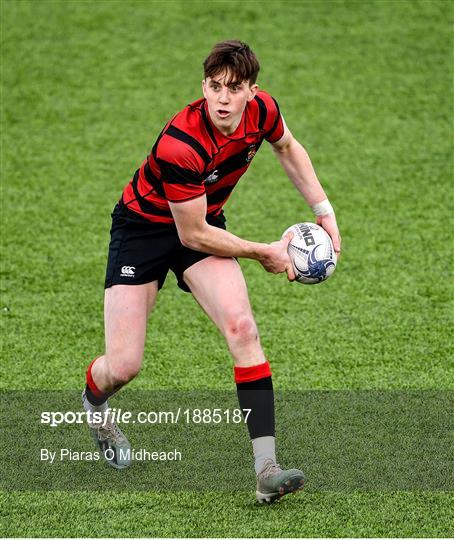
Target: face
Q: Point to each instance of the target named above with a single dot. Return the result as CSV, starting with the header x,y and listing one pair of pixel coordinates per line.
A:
x,y
226,102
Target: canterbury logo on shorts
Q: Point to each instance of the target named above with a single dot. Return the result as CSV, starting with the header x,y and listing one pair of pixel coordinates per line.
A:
x,y
127,271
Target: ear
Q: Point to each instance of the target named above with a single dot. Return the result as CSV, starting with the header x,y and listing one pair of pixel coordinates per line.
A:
x,y
204,88
253,91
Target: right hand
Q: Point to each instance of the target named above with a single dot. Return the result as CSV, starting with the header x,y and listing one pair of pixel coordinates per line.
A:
x,y
275,258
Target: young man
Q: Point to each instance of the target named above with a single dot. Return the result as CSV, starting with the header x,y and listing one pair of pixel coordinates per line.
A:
x,y
170,217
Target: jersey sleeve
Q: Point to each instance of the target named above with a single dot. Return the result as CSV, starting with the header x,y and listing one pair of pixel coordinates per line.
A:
x,y
181,169
270,117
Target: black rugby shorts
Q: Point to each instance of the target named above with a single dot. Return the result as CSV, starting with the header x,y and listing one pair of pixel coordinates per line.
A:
x,y
141,251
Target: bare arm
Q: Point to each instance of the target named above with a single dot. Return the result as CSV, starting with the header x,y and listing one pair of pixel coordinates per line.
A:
x,y
298,166
197,234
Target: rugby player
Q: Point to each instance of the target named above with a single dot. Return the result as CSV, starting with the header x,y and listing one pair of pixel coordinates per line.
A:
x,y
170,216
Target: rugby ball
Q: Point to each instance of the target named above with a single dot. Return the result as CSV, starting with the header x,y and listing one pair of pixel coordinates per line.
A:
x,y
311,252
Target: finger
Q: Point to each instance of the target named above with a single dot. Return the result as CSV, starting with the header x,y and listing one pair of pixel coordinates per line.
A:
x,y
290,273
288,237
337,244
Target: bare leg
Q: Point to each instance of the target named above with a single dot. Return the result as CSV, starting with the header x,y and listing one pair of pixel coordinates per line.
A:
x,y
126,312
218,285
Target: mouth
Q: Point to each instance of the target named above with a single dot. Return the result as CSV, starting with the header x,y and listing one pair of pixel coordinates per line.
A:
x,y
222,113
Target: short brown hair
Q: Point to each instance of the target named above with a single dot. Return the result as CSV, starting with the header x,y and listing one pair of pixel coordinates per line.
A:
x,y
234,57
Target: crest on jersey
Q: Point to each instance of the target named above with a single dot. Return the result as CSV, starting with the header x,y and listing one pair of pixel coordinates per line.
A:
x,y
251,153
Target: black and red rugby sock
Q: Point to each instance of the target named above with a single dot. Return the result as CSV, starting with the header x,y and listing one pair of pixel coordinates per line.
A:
x,y
93,394
255,392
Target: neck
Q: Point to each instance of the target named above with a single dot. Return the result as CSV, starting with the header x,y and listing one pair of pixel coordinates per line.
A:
x,y
228,130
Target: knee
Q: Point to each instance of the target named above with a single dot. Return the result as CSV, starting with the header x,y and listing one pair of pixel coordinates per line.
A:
x,y
241,328
123,369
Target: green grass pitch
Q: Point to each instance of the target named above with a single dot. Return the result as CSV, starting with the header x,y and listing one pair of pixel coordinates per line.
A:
x,y
367,88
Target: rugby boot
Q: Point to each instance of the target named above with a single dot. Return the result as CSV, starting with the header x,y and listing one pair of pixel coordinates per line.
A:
x,y
273,483
112,443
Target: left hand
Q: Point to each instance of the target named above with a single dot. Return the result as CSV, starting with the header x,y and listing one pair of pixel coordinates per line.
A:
x,y
329,223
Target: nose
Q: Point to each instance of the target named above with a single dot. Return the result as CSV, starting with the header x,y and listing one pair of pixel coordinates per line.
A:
x,y
224,96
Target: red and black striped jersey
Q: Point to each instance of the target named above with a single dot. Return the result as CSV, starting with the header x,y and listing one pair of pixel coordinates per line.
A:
x,y
191,157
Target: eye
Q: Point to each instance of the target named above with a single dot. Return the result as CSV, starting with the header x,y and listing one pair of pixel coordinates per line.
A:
x,y
215,87
234,88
